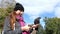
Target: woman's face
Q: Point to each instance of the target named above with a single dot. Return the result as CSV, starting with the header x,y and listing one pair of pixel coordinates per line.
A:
x,y
18,12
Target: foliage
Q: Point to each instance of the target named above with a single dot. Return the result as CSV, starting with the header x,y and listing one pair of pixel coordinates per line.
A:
x,y
52,25
3,13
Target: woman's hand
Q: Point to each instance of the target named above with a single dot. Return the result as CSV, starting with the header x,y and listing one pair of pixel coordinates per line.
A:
x,y
25,28
35,26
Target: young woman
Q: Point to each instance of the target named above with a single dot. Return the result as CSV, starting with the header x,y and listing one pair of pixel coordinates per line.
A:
x,y
14,23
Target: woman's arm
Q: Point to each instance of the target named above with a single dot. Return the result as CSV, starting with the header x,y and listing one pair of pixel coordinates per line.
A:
x,y
6,24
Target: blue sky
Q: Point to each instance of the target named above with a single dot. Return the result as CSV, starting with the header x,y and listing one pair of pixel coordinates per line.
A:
x,y
40,8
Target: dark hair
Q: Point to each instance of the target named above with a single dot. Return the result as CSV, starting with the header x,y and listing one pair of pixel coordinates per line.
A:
x,y
19,6
37,20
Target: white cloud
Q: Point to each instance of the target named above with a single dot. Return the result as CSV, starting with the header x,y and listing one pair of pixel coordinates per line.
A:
x,y
57,12
33,10
36,7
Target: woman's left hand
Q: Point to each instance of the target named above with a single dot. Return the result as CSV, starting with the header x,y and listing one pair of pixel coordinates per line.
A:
x,y
35,26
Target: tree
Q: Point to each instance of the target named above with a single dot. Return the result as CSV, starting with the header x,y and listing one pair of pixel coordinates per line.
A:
x,y
3,13
52,25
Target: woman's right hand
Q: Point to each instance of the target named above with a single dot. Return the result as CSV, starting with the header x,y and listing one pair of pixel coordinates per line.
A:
x,y
25,28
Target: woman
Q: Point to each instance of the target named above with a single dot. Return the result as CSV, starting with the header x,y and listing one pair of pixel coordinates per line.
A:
x,y
14,23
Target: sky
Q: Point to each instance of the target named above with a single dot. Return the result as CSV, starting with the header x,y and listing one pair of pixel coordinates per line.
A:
x,y
40,8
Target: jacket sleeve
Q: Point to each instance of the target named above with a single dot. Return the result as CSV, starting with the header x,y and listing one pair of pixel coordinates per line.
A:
x,y
6,24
